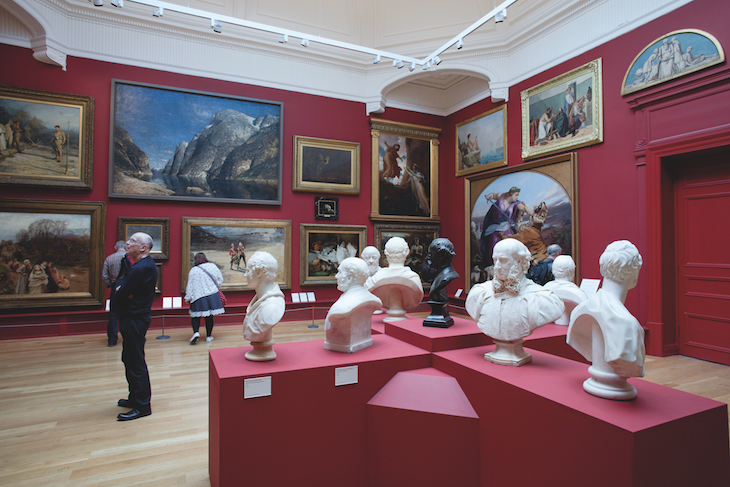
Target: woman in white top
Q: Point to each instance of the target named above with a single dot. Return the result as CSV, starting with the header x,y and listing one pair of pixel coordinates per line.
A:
x,y
204,280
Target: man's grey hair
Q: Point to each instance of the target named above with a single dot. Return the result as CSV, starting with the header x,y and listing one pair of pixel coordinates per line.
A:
x,y
145,240
121,244
554,249
620,261
263,264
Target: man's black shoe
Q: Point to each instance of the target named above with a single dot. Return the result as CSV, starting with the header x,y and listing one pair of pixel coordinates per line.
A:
x,y
133,414
125,403
113,344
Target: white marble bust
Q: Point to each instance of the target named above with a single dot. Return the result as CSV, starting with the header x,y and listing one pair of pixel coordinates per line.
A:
x,y
397,286
348,322
371,256
509,307
603,330
563,286
266,308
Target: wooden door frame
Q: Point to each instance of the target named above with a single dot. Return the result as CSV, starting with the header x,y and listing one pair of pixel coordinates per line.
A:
x,y
663,334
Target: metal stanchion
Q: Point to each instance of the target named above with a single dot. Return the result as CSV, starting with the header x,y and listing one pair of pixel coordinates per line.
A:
x,y
313,325
163,336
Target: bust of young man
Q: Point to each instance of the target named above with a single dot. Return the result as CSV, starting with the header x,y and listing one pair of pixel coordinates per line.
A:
x,y
348,322
509,307
440,257
603,330
265,309
397,286
563,269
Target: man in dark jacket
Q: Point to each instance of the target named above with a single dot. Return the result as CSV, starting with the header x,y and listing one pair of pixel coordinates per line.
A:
x,y
134,292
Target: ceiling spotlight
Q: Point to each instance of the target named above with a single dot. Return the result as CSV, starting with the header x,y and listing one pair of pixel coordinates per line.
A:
x,y
459,44
412,67
158,11
427,66
216,26
118,3
376,59
284,38
500,16
305,43
437,60
397,63
98,3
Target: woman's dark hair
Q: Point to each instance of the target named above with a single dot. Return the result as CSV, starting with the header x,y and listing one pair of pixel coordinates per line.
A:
x,y
200,258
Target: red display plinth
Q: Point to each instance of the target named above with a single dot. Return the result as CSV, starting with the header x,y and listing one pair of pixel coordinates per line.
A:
x,y
308,431
551,339
539,427
422,431
463,334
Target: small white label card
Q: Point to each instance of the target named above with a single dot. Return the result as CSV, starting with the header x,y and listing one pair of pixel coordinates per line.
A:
x,y
107,305
458,292
177,302
346,375
303,297
294,297
167,302
590,286
310,297
256,387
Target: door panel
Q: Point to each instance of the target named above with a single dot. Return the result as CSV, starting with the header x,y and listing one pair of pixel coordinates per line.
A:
x,y
703,255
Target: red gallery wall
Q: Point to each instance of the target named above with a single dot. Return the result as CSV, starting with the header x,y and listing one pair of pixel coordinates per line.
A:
x,y
612,183
304,115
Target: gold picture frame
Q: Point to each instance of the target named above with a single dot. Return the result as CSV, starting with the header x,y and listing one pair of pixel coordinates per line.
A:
x,y
555,119
65,239
418,238
319,244
553,180
404,172
473,156
326,166
157,228
701,51
215,236
38,112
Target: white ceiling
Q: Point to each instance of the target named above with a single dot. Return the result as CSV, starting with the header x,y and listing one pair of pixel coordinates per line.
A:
x,y
536,35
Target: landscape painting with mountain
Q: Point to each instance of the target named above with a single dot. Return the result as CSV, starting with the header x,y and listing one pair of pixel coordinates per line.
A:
x,y
194,146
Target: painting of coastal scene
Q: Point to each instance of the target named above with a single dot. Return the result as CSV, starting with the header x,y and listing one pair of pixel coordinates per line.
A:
x,y
194,146
481,142
230,242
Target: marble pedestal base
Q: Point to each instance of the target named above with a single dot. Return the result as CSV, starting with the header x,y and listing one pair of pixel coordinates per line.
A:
x,y
608,385
439,316
508,352
395,314
262,351
346,347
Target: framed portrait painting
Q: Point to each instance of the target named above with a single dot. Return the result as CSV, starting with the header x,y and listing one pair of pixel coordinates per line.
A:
x,y
228,242
404,172
481,142
326,208
157,228
53,253
501,204
672,56
564,113
323,247
418,237
173,144
326,166
46,139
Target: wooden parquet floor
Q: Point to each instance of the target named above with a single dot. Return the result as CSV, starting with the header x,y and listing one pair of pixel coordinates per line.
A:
x,y
58,407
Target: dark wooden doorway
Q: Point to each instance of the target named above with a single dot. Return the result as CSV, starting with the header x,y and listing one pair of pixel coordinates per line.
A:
x,y
702,238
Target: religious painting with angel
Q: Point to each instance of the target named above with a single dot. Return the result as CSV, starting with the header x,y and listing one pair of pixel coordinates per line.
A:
x,y
532,203
405,172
